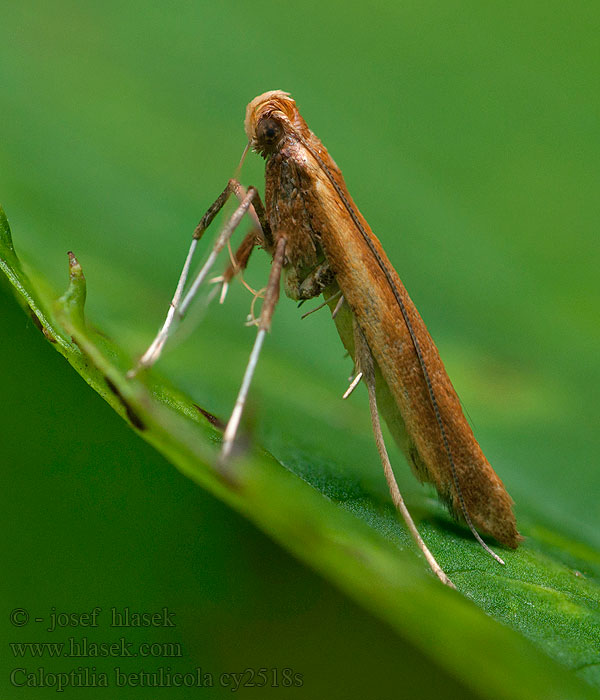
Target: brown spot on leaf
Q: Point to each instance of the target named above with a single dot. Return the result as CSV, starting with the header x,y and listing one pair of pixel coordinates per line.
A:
x,y
48,335
135,420
213,420
40,326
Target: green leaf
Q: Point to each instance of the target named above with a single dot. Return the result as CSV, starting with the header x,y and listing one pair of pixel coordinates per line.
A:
x,y
467,135
344,528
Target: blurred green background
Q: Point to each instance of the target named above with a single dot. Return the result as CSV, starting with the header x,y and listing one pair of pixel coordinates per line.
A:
x,y
468,136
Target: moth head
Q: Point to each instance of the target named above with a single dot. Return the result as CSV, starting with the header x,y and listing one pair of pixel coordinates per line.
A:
x,y
270,119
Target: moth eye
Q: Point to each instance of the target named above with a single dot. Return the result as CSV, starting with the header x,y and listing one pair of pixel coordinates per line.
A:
x,y
269,131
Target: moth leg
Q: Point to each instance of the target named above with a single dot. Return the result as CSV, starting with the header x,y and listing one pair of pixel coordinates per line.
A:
x,y
177,308
239,262
264,323
324,303
365,364
338,306
353,384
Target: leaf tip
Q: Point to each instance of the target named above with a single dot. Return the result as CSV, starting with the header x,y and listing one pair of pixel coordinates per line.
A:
x,y
73,300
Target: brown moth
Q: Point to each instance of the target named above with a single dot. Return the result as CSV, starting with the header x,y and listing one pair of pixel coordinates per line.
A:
x,y
322,244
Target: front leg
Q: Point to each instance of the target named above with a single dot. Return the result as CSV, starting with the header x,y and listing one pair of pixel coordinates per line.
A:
x,y
249,201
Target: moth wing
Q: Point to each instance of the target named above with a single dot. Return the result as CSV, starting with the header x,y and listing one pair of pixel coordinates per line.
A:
x,y
403,393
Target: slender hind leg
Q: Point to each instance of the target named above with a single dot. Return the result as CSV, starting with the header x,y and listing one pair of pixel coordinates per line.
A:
x,y
365,364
